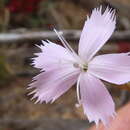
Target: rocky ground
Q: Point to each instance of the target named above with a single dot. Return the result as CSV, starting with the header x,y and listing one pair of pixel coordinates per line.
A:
x,y
17,112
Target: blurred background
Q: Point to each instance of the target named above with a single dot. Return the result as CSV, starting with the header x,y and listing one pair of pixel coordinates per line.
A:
x,y
24,23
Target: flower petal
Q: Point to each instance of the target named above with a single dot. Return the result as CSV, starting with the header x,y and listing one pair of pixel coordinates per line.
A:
x,y
97,30
96,100
52,54
114,68
51,84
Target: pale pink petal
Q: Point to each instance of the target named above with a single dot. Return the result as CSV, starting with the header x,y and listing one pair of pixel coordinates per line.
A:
x,y
51,84
51,54
114,68
97,30
57,75
96,100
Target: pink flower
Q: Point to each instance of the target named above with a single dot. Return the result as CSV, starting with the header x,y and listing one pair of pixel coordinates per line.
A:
x,y
61,68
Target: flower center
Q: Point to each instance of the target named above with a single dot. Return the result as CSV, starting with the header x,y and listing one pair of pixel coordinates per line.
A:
x,y
83,67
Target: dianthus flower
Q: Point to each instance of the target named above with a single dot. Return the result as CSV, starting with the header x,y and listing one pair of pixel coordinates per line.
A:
x,y
61,67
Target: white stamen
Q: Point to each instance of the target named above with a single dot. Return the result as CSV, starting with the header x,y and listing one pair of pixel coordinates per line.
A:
x,y
78,92
67,46
65,43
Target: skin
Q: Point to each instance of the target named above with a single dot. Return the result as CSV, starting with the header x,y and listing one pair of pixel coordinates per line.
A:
x,y
121,122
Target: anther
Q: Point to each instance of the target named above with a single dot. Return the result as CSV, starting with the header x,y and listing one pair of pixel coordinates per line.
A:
x,y
76,65
85,68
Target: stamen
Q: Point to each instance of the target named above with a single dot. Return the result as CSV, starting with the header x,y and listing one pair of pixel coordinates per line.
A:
x,y
78,92
85,68
67,46
76,65
82,67
65,43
